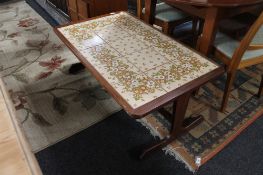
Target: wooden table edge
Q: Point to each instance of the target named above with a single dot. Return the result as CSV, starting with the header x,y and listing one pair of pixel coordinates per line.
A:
x,y
233,5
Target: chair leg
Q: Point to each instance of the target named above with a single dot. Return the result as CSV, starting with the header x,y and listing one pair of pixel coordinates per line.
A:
x,y
260,87
199,33
200,26
195,29
228,86
166,28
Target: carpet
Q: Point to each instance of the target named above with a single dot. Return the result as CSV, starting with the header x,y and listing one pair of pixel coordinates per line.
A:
x,y
111,147
50,104
217,129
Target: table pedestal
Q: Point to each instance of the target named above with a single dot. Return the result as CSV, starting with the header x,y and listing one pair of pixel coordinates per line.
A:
x,y
180,125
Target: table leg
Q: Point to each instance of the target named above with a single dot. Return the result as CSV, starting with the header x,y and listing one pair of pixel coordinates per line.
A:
x,y
150,6
179,124
260,87
209,30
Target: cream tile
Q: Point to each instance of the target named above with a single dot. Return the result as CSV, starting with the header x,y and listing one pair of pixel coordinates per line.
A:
x,y
140,92
81,38
128,45
87,43
100,54
143,33
135,87
170,52
146,59
112,33
166,76
175,74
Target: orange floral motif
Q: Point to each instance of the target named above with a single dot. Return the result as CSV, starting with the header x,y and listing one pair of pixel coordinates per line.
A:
x,y
28,22
53,64
18,98
138,85
79,34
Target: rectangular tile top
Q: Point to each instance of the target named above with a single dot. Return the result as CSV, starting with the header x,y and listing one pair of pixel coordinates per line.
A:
x,y
139,62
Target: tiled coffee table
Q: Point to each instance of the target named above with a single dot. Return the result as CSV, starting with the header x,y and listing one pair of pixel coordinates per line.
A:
x,y
139,66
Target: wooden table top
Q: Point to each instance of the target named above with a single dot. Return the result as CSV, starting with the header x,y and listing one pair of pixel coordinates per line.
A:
x,y
139,64
217,3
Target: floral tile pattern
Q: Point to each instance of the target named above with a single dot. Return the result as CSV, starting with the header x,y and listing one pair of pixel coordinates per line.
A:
x,y
123,75
161,63
111,33
128,45
146,59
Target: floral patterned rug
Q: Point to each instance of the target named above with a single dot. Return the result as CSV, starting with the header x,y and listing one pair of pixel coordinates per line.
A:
x,y
50,104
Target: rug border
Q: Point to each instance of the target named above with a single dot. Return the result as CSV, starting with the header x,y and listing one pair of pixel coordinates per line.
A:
x,y
231,138
185,156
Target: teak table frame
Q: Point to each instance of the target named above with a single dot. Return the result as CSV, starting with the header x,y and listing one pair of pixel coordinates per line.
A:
x,y
179,97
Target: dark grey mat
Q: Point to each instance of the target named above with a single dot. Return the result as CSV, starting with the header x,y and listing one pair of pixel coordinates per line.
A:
x,y
111,147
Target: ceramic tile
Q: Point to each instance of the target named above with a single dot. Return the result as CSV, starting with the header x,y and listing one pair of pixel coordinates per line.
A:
x,y
112,33
146,59
139,62
99,53
175,74
136,88
81,38
128,45
139,90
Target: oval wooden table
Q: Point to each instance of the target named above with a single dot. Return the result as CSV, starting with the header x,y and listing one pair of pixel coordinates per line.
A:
x,y
212,11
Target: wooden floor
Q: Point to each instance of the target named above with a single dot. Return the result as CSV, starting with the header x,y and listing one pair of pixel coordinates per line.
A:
x,y
15,155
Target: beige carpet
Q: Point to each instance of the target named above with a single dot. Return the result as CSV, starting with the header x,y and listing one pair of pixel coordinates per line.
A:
x,y
51,104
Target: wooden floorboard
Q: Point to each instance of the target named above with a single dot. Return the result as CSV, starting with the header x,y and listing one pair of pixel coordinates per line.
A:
x,y
15,154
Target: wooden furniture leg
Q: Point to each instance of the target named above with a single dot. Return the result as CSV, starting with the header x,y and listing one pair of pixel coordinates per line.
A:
x,y
195,29
228,86
260,87
178,124
209,30
166,28
150,6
